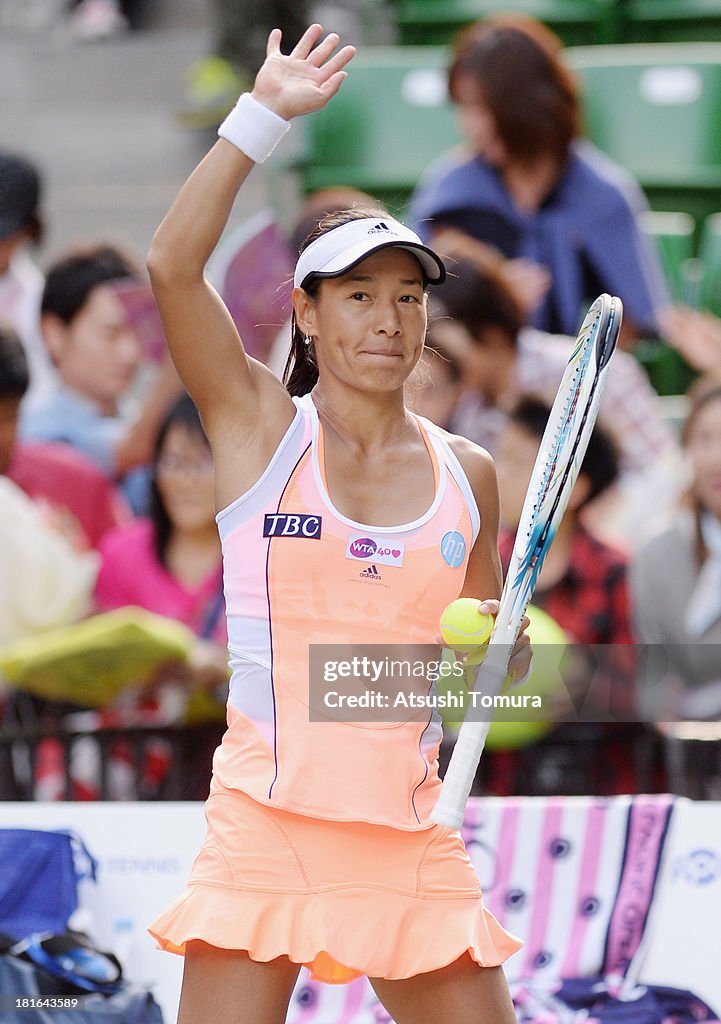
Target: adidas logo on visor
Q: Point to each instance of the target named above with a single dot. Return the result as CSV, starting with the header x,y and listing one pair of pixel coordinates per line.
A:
x,y
336,251
381,229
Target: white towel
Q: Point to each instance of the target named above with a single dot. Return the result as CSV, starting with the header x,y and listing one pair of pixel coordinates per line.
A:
x,y
44,583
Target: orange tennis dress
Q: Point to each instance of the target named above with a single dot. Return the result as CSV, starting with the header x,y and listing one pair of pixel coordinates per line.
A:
x,y
319,844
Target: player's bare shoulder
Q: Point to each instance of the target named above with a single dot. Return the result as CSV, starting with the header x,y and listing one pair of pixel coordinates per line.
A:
x,y
475,461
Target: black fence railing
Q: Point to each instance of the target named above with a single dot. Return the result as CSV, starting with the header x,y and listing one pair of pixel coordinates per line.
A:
x,y
144,762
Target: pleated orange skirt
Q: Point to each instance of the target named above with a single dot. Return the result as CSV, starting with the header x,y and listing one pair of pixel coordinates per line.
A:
x,y
343,898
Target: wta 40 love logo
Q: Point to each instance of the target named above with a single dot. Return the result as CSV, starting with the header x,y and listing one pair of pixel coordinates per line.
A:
x,y
364,548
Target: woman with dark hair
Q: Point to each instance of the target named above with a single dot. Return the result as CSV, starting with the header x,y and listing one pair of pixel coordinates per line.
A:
x,y
527,188
676,584
170,563
344,520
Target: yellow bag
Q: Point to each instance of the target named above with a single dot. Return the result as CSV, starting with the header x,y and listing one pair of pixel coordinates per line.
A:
x,y
91,661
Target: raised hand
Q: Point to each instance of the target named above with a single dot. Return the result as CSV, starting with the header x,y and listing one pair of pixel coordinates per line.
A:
x,y
696,335
305,79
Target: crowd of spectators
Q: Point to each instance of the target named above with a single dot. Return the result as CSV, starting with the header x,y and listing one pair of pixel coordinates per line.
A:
x,y
106,496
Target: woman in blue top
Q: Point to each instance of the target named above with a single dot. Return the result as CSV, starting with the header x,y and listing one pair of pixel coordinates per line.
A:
x,y
531,190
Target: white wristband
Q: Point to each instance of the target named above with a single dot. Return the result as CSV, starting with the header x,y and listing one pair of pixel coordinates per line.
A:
x,y
252,128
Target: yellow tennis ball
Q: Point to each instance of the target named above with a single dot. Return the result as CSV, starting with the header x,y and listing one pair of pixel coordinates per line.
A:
x,y
463,627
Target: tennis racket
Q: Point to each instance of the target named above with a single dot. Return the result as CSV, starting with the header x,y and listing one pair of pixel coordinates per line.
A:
x,y
555,471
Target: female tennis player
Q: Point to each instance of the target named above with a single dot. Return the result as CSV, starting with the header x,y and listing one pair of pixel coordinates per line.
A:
x,y
344,520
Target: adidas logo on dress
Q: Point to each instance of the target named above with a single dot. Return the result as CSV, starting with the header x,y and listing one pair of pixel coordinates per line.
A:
x,y
371,573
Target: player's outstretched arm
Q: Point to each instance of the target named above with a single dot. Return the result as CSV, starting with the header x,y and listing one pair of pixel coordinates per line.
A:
x,y
227,386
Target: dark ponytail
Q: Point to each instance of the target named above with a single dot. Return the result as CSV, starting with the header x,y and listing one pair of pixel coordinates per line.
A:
x,y
301,369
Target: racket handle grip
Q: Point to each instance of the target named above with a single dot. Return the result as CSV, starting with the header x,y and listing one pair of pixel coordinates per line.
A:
x,y
451,804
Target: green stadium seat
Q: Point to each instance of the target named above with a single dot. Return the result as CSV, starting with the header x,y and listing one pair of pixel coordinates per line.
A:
x,y
673,236
667,371
435,22
389,121
710,261
670,20
656,110
577,22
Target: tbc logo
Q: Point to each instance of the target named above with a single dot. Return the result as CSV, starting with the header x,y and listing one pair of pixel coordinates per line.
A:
x,y
370,549
290,525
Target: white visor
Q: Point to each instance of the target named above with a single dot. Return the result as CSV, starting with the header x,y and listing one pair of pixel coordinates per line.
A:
x,y
341,248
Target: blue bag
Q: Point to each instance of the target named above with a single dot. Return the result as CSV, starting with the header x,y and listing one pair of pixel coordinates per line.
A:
x,y
39,875
19,978
72,959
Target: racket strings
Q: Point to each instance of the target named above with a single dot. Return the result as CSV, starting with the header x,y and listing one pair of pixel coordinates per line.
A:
x,y
581,357
559,437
